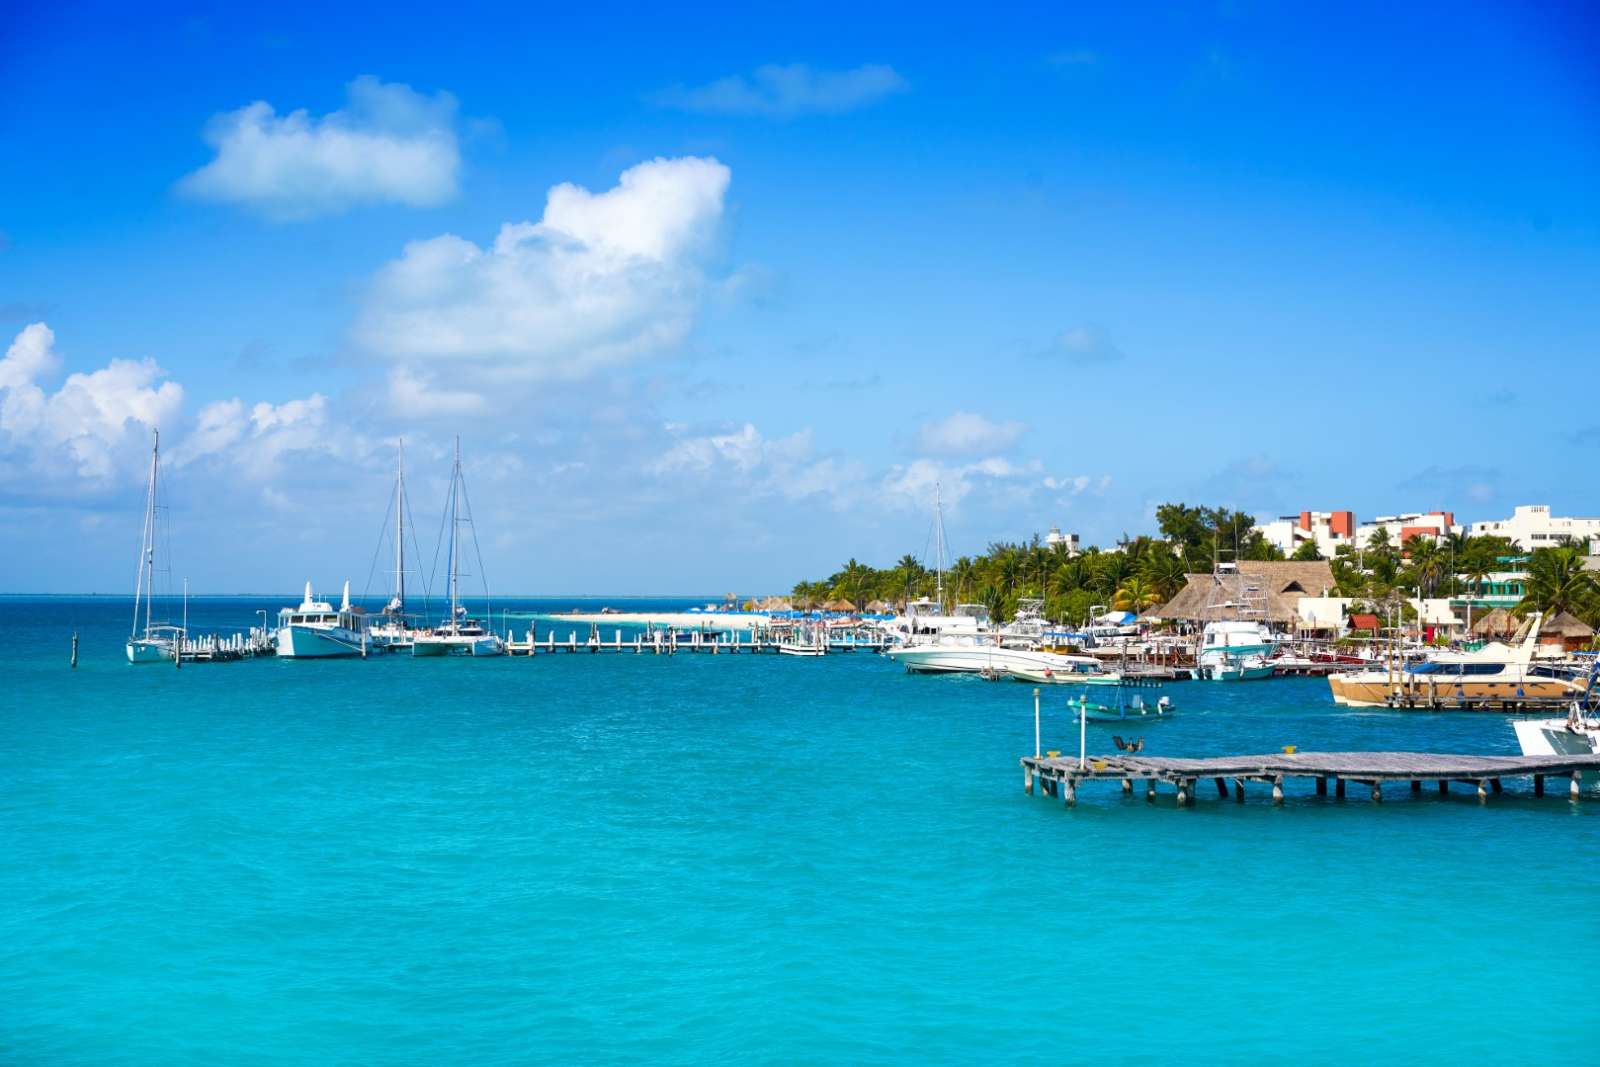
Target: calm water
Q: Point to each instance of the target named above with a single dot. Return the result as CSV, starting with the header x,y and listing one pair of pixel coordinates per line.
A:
x,y
731,859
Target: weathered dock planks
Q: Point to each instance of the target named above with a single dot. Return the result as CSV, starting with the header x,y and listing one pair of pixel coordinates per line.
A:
x,y
1061,776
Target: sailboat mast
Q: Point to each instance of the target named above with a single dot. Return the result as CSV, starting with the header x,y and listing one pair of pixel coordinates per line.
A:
x,y
145,585
938,548
455,520
400,526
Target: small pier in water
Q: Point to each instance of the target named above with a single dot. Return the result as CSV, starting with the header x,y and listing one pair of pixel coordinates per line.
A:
x,y
1061,776
661,642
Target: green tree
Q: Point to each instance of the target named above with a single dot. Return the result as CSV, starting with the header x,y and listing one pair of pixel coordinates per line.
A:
x,y
1308,552
1558,581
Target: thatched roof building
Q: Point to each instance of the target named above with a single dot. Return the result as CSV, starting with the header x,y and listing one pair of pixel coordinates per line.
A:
x,y
1498,623
1567,630
839,605
1218,596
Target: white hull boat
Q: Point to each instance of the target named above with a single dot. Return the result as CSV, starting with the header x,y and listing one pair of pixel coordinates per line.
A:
x,y
314,630
971,655
791,649
155,643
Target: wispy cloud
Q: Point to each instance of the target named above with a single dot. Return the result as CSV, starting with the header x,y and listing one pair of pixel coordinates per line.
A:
x,y
1084,346
788,91
389,144
966,433
1474,481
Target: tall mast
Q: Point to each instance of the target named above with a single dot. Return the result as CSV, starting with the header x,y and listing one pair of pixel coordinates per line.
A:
x,y
938,548
455,493
400,526
144,584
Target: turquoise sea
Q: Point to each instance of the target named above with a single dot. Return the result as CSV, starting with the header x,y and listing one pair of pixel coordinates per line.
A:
x,y
733,859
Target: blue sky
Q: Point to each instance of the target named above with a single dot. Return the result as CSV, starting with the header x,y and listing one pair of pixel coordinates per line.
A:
x,y
1071,264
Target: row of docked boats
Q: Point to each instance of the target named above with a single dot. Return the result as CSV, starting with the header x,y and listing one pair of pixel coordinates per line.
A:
x,y
314,628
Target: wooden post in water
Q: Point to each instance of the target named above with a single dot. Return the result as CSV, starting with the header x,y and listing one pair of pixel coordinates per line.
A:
x,y
1277,789
1069,791
1238,790
1577,785
1377,790
1150,789
75,650
1322,785
1222,788
1538,785
1338,788
1027,779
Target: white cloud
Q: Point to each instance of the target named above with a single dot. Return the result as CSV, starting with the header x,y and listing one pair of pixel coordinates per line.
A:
x,y
93,423
390,144
602,278
93,433
415,394
741,460
965,433
786,91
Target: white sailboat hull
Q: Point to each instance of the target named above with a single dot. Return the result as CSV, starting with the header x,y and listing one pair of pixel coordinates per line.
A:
x,y
457,645
149,650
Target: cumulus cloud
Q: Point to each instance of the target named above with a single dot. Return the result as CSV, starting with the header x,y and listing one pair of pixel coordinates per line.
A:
x,y
93,433
965,433
602,278
92,423
415,394
389,144
788,91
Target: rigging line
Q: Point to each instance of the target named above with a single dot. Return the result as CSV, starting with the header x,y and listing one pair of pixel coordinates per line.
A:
x,y
475,550
426,589
383,533
443,520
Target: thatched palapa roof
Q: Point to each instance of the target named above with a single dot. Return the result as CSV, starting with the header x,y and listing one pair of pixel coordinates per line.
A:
x,y
1498,623
1285,582
839,605
1566,624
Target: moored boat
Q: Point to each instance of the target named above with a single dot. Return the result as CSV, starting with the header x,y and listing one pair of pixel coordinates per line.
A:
x,y
154,642
316,630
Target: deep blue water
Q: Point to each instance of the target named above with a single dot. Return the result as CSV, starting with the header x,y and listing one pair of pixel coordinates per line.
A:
x,y
733,859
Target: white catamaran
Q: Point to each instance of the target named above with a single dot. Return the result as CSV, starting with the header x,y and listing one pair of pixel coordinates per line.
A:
x,y
157,642
459,635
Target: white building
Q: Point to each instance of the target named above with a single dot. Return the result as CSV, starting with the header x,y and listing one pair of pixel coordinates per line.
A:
x,y
1401,528
1532,526
1329,529
1056,537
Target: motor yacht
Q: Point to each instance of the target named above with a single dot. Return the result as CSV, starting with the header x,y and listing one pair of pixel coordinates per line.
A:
x,y
315,630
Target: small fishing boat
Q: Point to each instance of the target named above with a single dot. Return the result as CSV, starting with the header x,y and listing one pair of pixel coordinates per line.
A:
x,y
796,648
1125,710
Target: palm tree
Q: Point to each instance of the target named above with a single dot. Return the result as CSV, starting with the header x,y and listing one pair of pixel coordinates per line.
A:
x,y
1557,582
1135,595
1163,570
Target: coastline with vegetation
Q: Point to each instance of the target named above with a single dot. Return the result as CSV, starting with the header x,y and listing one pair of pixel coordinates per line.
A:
x,y
1140,573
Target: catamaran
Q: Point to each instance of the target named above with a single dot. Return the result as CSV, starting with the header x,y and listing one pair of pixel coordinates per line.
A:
x,y
459,635
156,642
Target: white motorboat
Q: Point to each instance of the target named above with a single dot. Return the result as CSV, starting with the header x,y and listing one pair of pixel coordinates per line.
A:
x,y
315,630
952,654
1577,734
154,642
798,648
459,635
1494,672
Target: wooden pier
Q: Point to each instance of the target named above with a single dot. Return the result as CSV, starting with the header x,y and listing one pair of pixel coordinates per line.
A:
x,y
1060,776
668,643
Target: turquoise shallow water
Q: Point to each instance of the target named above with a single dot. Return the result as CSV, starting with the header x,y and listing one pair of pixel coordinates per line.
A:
x,y
731,859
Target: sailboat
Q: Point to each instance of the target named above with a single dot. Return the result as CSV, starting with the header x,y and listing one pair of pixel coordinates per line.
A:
x,y
459,635
156,643
391,630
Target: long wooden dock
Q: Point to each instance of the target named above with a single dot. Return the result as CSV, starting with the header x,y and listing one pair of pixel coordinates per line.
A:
x,y
1061,775
665,643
